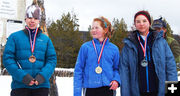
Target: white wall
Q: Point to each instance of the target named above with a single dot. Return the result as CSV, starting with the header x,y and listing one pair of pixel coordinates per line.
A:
x,y
10,10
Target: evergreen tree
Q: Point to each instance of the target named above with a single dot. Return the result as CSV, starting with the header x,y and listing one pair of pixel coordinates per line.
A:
x,y
120,32
89,37
169,31
65,36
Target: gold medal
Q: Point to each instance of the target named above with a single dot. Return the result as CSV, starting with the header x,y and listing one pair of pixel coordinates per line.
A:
x,y
98,70
32,59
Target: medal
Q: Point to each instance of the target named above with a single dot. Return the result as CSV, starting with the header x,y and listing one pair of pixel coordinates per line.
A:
x,y
144,63
32,59
98,70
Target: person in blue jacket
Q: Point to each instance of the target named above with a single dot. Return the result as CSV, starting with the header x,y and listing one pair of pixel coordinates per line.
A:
x,y
97,65
146,60
30,57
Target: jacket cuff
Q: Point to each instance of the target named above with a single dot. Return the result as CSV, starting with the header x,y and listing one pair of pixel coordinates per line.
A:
x,y
40,79
27,79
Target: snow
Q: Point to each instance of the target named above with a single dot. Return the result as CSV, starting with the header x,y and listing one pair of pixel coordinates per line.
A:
x,y
5,85
65,85
65,69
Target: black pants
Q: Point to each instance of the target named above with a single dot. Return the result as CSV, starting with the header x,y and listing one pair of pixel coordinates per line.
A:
x,y
30,92
149,94
102,91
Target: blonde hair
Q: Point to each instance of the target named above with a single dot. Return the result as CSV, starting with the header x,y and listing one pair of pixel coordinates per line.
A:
x,y
106,25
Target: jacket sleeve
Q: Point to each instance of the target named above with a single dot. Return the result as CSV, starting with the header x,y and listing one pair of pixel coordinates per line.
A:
x,y
9,60
50,62
171,72
78,72
116,67
124,73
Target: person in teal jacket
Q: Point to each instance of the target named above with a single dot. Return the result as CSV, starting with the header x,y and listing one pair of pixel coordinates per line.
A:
x,y
97,65
146,60
30,58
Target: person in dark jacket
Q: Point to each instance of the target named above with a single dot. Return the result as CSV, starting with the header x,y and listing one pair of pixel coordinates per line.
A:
x,y
30,57
146,60
177,38
160,25
96,69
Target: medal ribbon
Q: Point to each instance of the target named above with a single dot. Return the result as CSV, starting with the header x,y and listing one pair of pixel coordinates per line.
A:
x,y
32,43
101,49
144,51
145,44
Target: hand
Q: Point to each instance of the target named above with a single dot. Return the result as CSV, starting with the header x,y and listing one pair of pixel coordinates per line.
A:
x,y
114,85
36,82
32,82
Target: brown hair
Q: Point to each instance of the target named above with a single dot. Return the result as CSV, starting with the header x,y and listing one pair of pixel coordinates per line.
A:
x,y
106,25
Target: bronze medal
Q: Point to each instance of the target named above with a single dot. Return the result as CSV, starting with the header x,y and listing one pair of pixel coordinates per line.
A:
x,y
32,59
98,70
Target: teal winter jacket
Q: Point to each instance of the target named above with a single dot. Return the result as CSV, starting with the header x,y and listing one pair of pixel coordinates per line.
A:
x,y
16,58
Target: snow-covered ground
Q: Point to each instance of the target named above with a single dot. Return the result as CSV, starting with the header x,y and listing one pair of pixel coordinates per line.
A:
x,y
65,85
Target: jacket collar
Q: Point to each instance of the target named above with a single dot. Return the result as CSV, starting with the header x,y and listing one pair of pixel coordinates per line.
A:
x,y
158,35
97,41
132,36
26,31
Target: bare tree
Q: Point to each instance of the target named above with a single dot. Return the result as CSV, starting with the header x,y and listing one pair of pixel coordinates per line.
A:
x,y
53,87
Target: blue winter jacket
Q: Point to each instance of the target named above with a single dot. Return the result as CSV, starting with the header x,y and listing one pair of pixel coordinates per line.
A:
x,y
17,52
164,62
85,75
